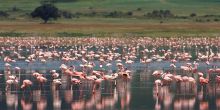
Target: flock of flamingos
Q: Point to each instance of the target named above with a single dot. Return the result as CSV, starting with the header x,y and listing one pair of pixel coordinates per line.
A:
x,y
110,59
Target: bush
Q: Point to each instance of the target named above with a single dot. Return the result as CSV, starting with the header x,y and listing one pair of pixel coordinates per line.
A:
x,y
115,14
3,14
160,14
216,19
139,9
93,13
211,16
67,14
192,14
78,13
118,14
90,8
181,17
129,13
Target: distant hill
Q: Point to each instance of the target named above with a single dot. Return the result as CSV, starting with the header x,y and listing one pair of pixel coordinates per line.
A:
x,y
180,7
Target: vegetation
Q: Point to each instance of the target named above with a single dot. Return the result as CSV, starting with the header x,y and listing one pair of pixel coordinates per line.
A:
x,y
160,14
72,34
45,12
3,14
14,34
99,28
175,10
192,15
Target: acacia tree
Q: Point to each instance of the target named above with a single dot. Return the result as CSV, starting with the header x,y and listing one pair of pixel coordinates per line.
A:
x,y
45,12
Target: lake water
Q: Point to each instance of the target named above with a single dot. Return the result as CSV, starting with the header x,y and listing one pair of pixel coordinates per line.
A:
x,y
136,94
139,93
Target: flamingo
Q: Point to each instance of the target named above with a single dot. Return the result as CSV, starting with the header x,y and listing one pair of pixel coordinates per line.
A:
x,y
41,80
26,84
192,81
75,81
167,78
203,81
11,80
56,83
158,83
54,74
97,82
185,80
217,79
125,75
178,78
8,83
157,73
18,69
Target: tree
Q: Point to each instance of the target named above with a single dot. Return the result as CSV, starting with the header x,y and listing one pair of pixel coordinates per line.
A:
x,y
45,12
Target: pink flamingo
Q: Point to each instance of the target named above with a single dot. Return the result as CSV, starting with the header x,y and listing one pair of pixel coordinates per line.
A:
x,y
203,81
26,84
157,73
75,81
158,83
56,83
96,84
40,79
18,70
11,80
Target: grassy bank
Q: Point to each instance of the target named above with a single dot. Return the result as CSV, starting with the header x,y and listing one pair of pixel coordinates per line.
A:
x,y
103,29
183,7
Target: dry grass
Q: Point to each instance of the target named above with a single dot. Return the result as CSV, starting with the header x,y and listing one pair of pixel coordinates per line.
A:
x,y
109,27
94,28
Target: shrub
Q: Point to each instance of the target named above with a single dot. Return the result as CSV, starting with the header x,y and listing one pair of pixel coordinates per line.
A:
x,y
139,9
115,14
3,14
93,13
129,13
192,14
216,19
160,14
67,14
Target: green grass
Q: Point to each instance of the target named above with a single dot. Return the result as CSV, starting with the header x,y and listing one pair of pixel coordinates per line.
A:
x,y
177,7
181,7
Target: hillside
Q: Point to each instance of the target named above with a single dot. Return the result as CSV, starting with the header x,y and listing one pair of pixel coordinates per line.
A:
x,y
180,7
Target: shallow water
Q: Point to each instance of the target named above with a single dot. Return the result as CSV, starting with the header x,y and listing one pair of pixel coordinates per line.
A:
x,y
136,94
